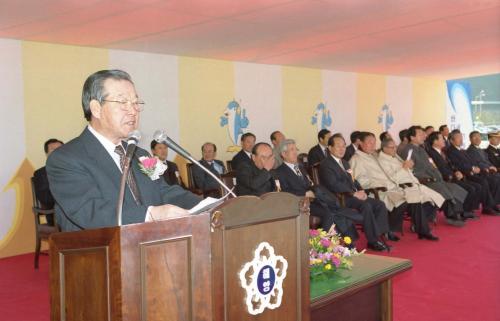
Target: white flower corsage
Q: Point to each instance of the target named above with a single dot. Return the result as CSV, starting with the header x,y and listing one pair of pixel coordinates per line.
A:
x,y
152,167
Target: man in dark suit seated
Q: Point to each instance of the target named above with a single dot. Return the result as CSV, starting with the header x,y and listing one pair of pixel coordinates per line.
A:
x,y
428,174
245,154
41,182
461,160
256,178
319,152
474,190
445,131
276,138
84,174
492,150
171,174
403,138
351,149
335,175
202,179
294,179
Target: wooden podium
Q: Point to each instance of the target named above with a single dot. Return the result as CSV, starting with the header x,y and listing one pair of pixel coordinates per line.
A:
x,y
189,268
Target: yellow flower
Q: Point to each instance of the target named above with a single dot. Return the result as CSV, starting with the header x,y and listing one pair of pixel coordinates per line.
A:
x,y
337,255
328,267
347,240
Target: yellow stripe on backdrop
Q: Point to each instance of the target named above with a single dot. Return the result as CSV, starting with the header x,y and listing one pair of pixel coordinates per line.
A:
x,y
429,102
205,88
370,99
53,79
302,91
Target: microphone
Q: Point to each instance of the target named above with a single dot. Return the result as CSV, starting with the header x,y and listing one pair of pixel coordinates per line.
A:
x,y
161,136
132,140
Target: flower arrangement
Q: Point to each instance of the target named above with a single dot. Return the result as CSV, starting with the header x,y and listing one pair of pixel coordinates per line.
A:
x,y
329,251
152,167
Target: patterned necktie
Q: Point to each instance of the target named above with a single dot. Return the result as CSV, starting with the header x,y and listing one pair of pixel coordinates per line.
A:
x,y
297,170
130,178
325,151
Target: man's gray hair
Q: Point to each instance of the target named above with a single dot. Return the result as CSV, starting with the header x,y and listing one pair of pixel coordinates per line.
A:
x,y
284,145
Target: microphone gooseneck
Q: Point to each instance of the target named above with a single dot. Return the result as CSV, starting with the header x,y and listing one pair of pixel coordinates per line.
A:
x,y
161,136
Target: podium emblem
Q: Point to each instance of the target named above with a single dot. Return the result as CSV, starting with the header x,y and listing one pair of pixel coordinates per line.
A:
x,y
262,279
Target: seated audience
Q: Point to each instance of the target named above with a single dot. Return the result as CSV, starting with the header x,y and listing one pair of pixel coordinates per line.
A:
x,y
41,181
403,138
276,138
245,154
294,179
319,152
428,130
369,173
384,135
445,131
336,176
202,179
255,178
353,147
428,174
171,174
492,150
461,160
474,190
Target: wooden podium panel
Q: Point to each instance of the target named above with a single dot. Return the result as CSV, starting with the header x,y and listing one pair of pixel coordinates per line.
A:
x,y
152,271
241,225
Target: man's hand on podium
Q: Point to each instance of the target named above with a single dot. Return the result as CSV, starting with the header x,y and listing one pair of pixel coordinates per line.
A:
x,y
156,213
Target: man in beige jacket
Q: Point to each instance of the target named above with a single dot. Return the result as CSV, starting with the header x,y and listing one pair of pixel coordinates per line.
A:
x,y
369,172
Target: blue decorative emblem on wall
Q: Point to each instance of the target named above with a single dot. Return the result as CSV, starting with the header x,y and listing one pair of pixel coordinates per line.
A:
x,y
321,117
235,119
385,118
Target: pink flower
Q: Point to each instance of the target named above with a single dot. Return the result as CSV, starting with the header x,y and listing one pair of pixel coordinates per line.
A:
x,y
325,242
149,162
336,261
313,233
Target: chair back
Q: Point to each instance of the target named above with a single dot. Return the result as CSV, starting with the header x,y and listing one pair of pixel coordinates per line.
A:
x,y
315,173
229,165
302,159
229,180
189,167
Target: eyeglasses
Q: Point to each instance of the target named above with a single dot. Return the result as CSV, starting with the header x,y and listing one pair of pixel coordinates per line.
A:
x,y
138,105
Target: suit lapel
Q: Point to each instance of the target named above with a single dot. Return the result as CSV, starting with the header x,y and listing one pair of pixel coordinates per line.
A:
x,y
101,157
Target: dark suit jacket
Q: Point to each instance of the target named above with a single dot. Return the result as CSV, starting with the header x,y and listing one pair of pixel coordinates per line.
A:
x,y
335,179
170,175
42,190
85,182
460,160
315,155
442,164
292,183
349,152
251,180
203,180
240,158
493,155
479,157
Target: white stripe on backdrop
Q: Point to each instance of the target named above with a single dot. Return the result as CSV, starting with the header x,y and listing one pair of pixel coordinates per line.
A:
x,y
258,90
339,95
12,124
399,97
157,83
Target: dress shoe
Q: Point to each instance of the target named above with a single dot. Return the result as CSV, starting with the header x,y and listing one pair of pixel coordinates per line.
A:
x,y
490,211
391,236
377,246
455,222
469,215
428,236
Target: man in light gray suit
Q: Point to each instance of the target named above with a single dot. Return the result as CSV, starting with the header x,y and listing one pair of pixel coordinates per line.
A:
x,y
428,174
84,174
